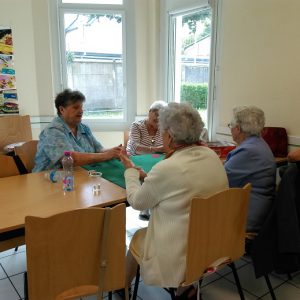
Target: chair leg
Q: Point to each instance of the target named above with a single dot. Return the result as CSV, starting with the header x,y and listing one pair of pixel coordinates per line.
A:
x,y
270,287
199,295
109,295
25,287
237,280
136,283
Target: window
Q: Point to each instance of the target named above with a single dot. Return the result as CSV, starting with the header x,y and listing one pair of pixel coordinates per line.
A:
x,y
93,56
112,2
189,57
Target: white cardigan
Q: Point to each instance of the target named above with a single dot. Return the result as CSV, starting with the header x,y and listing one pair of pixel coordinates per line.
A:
x,y
168,190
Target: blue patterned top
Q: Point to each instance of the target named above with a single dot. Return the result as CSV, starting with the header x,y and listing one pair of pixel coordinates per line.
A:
x,y
56,138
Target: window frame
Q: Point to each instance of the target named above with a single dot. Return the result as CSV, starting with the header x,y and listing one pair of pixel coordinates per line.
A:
x,y
128,51
171,10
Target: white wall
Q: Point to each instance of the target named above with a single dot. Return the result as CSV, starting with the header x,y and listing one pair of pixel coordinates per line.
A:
x,y
17,14
260,61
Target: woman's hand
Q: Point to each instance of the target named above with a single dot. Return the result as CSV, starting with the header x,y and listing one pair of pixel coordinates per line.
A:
x,y
143,174
125,160
112,152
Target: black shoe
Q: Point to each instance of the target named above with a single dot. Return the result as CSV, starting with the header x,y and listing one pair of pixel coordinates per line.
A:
x,y
144,216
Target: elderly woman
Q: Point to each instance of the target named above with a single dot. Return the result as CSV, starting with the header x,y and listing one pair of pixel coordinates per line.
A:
x,y
189,170
67,133
144,136
252,161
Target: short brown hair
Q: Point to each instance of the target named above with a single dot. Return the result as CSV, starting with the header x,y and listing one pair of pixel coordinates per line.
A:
x,y
67,97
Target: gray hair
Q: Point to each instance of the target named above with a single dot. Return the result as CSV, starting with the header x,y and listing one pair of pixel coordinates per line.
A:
x,y
157,105
251,119
183,122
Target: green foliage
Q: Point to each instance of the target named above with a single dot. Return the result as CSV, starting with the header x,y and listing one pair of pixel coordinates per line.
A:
x,y
195,94
192,21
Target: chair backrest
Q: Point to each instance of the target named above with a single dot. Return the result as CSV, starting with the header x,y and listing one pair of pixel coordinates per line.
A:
x,y
8,166
64,252
27,151
277,139
14,129
216,230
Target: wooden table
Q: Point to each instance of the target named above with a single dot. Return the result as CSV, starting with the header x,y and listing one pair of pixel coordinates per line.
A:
x,y
32,194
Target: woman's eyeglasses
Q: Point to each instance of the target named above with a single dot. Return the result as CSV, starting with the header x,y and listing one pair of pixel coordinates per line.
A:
x,y
230,125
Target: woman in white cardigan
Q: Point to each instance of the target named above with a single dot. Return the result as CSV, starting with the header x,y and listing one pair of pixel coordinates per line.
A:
x,y
189,170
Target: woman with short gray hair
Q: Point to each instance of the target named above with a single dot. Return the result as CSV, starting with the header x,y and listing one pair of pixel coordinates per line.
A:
x,y
144,135
189,170
145,138
250,118
252,161
183,123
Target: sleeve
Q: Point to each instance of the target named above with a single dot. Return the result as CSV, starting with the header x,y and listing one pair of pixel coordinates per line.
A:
x,y
134,138
237,167
55,143
140,196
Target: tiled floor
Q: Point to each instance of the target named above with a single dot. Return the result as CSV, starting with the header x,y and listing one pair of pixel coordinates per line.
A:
x,y
217,286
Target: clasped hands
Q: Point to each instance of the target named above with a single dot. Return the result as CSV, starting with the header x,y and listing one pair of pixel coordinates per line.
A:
x,y
119,152
129,164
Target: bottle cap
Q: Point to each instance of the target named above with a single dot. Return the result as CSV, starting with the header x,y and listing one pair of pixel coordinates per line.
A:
x,y
67,153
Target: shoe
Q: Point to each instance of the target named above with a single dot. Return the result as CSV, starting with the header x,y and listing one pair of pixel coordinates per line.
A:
x,y
144,215
189,294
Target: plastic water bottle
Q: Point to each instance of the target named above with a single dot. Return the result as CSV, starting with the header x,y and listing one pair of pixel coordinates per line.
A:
x,y
54,175
68,179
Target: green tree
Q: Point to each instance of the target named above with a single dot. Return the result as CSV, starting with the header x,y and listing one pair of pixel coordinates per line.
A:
x,y
192,21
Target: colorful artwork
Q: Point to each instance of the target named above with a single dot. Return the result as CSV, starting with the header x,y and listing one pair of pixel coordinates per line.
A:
x,y
7,82
6,44
6,64
8,93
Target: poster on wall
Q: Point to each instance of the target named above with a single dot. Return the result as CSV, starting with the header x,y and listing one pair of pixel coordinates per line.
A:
x,y
8,90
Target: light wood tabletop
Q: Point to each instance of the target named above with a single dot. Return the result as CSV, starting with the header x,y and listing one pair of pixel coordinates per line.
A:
x,y
32,194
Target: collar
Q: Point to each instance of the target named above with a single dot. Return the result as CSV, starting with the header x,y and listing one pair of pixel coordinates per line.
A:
x,y
179,147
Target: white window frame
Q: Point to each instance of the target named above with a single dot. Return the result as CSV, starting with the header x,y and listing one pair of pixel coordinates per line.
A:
x,y
174,8
57,12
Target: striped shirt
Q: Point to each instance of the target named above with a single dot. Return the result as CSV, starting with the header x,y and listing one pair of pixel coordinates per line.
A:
x,y
139,136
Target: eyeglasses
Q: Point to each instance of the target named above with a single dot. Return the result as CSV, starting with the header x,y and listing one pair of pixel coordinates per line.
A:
x,y
230,125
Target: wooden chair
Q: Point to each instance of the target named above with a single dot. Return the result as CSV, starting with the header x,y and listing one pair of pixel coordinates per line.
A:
x,y
216,236
27,151
76,253
8,166
14,129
